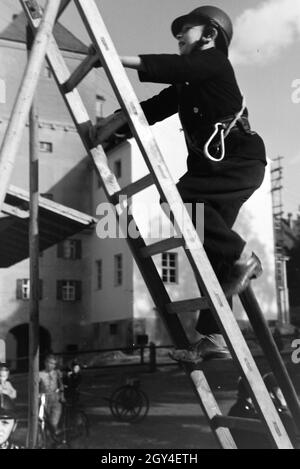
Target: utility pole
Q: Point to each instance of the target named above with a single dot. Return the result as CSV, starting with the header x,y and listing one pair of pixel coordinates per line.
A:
x,y
280,253
33,386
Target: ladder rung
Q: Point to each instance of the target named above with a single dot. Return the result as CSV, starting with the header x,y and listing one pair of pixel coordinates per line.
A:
x,y
133,188
187,306
80,72
162,246
251,425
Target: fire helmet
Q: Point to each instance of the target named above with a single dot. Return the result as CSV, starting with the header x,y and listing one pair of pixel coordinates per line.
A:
x,y
210,15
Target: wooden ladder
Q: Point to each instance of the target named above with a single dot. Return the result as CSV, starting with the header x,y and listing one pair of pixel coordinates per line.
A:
x,y
159,176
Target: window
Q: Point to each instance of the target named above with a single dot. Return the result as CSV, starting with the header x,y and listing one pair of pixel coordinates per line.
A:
x,y
68,290
113,329
23,289
46,147
118,270
69,249
100,100
47,71
170,267
118,169
99,275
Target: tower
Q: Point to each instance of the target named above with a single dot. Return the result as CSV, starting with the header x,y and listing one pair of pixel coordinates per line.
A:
x,y
280,252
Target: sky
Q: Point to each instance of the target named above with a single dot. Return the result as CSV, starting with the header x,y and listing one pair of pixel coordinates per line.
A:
x,y
265,53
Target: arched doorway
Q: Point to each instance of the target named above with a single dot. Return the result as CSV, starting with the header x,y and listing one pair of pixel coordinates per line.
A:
x,y
20,338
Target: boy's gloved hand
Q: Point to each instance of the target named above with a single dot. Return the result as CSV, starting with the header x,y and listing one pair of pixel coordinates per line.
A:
x,y
107,127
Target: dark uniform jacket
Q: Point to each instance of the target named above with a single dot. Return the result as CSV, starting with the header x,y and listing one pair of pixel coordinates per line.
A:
x,y
203,90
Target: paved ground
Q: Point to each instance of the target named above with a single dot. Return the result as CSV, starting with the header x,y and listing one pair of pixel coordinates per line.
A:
x,y
175,419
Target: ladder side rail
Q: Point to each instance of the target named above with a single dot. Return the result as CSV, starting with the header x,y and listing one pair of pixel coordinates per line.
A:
x,y
210,408
62,74
271,351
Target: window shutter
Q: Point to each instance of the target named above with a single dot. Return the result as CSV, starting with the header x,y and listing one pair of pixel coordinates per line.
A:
x,y
59,286
78,249
19,289
41,284
78,290
60,250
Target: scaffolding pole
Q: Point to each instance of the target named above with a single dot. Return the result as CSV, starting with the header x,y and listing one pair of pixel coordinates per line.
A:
x,y
34,326
13,135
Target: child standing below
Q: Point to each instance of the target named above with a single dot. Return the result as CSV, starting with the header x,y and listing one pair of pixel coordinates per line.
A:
x,y
72,383
51,385
5,385
220,174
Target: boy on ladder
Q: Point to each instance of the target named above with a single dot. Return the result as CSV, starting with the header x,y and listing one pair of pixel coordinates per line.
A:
x,y
226,160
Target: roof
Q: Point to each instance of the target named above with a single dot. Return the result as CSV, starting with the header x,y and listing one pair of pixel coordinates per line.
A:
x,y
16,32
57,222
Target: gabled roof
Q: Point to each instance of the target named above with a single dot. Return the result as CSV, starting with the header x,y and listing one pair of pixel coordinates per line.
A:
x,y
56,223
16,32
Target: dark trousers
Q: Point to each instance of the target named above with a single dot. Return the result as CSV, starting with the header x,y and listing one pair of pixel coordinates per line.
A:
x,y
223,190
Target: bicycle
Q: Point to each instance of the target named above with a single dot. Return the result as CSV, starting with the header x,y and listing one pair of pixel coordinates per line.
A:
x,y
74,424
129,403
